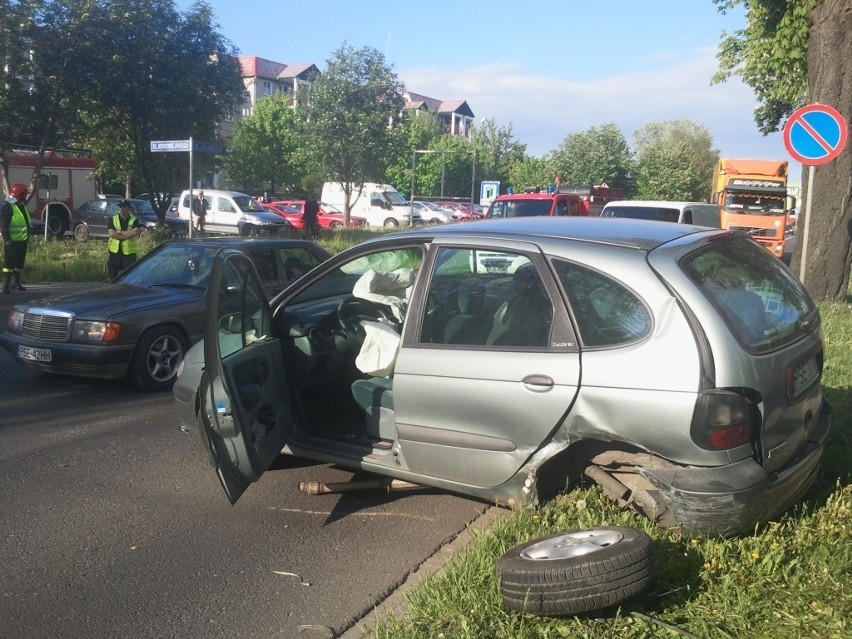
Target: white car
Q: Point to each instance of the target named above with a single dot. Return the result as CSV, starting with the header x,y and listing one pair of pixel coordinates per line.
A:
x,y
431,213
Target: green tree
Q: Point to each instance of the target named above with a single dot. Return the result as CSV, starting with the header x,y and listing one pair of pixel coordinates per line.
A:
x,y
529,171
417,131
674,161
48,47
265,150
599,155
497,151
349,111
161,75
792,53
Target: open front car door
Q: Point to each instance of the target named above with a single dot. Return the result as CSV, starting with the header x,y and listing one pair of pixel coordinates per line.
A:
x,y
245,413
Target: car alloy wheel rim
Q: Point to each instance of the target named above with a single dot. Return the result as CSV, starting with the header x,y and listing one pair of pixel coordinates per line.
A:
x,y
164,356
573,544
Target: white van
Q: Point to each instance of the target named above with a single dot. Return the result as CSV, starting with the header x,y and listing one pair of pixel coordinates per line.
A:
x,y
379,204
232,212
698,213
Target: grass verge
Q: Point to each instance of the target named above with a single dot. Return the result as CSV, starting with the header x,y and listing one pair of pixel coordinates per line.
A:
x,y
789,580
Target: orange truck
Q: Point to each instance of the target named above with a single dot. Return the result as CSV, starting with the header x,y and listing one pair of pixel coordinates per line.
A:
x,y
753,198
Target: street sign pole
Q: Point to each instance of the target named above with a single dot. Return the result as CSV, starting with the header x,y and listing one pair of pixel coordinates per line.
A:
x,y
191,197
813,135
183,146
804,259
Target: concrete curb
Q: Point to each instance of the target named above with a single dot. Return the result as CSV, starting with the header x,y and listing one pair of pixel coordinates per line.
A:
x,y
395,603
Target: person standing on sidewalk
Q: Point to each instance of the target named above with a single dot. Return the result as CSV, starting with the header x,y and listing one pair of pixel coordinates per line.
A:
x,y
15,227
123,230
199,211
309,217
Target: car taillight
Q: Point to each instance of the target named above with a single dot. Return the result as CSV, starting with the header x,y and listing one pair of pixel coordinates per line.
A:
x,y
721,421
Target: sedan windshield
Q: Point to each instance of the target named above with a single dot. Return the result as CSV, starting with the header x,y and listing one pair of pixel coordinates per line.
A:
x,y
173,265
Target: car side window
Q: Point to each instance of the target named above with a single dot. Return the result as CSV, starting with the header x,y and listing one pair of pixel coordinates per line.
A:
x,y
486,298
607,312
265,265
296,261
224,205
562,208
99,206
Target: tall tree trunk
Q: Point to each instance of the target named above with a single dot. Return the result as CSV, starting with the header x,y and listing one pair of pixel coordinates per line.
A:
x,y
829,249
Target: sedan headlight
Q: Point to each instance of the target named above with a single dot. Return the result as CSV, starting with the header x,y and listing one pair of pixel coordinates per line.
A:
x,y
15,321
88,331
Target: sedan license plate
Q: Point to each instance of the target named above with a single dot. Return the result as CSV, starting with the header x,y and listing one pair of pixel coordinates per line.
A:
x,y
34,354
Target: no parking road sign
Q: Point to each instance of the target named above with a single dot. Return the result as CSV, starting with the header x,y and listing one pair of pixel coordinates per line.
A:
x,y
815,134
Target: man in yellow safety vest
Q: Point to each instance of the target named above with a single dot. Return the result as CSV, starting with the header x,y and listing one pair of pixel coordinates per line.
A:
x,y
15,228
122,230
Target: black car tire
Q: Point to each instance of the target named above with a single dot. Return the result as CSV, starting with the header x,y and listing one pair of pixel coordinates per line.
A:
x,y
577,571
391,223
335,225
155,363
81,233
55,226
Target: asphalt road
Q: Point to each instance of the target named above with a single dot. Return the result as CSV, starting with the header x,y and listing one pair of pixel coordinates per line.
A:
x,y
113,525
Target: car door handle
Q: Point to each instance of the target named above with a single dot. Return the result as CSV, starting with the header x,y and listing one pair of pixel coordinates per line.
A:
x,y
539,383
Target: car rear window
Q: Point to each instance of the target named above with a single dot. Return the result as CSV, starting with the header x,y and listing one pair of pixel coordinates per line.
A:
x,y
656,213
607,312
763,304
521,208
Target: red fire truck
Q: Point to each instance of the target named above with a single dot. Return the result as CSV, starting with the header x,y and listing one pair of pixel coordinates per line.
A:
x,y
65,181
593,198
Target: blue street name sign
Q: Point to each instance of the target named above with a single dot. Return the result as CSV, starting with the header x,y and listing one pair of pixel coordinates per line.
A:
x,y
169,146
183,146
208,147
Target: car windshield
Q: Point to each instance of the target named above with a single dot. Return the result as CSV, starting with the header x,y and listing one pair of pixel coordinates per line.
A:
x,y
247,203
395,198
173,265
143,208
764,305
329,208
755,203
658,213
521,208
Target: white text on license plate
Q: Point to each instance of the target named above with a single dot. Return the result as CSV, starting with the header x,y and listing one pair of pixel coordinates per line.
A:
x,y
34,354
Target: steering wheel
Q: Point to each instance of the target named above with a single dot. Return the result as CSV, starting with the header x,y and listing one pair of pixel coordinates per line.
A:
x,y
352,311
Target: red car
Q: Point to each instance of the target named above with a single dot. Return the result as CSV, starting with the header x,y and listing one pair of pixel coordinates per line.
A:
x,y
461,211
329,217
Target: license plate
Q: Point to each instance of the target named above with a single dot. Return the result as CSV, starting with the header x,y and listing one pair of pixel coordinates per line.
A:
x,y
802,376
35,354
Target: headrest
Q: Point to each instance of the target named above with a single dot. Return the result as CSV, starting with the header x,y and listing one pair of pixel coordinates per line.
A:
x,y
471,296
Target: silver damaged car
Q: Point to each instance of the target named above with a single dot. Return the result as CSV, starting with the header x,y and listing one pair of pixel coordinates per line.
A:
x,y
676,366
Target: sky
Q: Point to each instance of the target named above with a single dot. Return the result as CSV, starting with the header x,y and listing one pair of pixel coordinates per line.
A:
x,y
545,68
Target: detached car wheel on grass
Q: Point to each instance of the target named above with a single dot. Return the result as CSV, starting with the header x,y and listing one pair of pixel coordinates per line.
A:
x,y
577,571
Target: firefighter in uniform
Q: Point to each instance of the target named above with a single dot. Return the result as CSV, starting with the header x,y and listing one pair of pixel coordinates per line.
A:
x,y
15,228
123,230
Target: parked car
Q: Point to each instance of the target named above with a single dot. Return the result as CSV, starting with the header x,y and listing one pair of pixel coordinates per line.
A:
x,y
431,213
460,211
91,219
679,367
329,217
142,323
699,213
232,212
